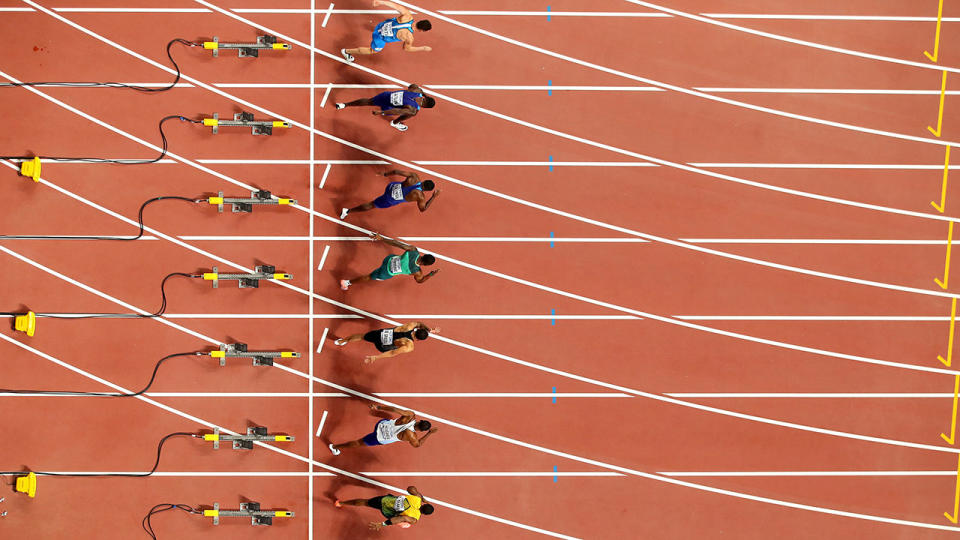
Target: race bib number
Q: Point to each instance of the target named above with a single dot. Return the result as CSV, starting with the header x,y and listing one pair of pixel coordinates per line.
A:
x,y
400,503
397,192
394,265
386,337
396,98
387,29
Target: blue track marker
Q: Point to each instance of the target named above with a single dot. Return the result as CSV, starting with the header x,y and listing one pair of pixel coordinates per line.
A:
x,y
555,479
553,322
550,90
550,159
554,397
548,13
551,238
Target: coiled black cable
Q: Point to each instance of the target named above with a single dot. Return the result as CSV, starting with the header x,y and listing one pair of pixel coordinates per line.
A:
x,y
116,84
163,507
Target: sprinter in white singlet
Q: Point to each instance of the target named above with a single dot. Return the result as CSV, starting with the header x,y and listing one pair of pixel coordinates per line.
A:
x,y
391,430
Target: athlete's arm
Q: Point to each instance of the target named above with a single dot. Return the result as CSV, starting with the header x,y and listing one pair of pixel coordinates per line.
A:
x,y
415,88
404,12
377,525
416,493
408,44
419,441
411,177
391,242
408,347
423,205
403,111
420,278
405,415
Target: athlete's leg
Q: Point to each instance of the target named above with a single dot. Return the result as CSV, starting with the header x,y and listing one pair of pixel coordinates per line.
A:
x,y
366,102
349,339
363,207
355,502
352,444
361,50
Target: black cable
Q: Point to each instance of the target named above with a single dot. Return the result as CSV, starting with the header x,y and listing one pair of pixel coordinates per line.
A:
x,y
163,507
103,394
159,312
116,84
123,239
103,475
163,151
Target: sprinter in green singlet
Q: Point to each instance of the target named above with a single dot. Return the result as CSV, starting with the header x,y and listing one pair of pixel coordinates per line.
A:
x,y
408,263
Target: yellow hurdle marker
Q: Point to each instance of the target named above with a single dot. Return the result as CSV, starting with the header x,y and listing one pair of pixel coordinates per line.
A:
x,y
936,40
943,92
953,319
956,497
953,416
943,190
946,269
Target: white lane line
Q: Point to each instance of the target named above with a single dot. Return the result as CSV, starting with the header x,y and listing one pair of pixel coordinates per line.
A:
x,y
272,448
795,41
517,121
323,179
831,474
129,10
323,258
680,89
438,395
323,339
326,18
783,16
610,466
542,317
310,304
326,95
323,418
653,476
683,245
656,397
810,395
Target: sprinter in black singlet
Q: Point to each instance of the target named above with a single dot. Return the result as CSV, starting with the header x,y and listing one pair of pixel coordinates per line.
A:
x,y
391,341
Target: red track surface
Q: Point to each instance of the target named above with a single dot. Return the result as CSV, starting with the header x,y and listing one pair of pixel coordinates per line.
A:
x,y
636,433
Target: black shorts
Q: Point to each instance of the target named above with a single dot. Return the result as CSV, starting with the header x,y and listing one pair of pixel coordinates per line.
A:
x,y
375,502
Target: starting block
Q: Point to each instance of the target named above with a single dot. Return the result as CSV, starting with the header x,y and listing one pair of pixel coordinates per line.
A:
x,y
247,509
245,442
245,205
260,358
267,42
245,119
247,280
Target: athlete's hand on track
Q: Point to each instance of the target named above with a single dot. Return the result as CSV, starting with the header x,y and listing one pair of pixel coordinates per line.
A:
x,y
369,359
377,3
374,112
374,407
433,430
376,525
435,330
427,48
375,236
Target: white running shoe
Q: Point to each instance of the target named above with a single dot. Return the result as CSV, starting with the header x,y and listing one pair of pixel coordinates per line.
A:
x,y
344,212
340,105
344,284
399,127
333,450
347,56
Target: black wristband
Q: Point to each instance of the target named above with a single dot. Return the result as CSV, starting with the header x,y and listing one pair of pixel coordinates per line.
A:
x,y
388,522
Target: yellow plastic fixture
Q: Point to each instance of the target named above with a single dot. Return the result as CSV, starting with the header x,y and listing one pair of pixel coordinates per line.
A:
x,y
282,513
284,46
280,124
283,438
27,484
31,169
215,200
210,276
211,437
282,276
26,323
210,122
211,45
211,513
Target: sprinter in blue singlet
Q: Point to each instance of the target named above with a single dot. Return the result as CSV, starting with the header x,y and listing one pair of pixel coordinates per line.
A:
x,y
410,190
393,30
403,104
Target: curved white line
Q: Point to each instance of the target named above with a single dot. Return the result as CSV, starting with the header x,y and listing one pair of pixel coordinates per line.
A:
x,y
795,41
672,87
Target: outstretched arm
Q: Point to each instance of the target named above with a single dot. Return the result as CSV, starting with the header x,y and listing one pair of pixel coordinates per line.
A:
x,y
402,350
416,493
423,205
420,277
418,442
391,242
401,111
405,415
400,9
406,174
377,525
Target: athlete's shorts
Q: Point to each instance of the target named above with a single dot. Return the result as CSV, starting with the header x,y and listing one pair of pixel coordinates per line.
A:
x,y
377,43
375,502
382,100
384,201
370,439
382,273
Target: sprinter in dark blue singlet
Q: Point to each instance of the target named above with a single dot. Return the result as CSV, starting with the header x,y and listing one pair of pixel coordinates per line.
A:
x,y
403,104
410,190
393,30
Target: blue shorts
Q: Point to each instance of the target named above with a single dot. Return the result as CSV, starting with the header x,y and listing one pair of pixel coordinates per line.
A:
x,y
378,42
382,100
385,200
370,439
